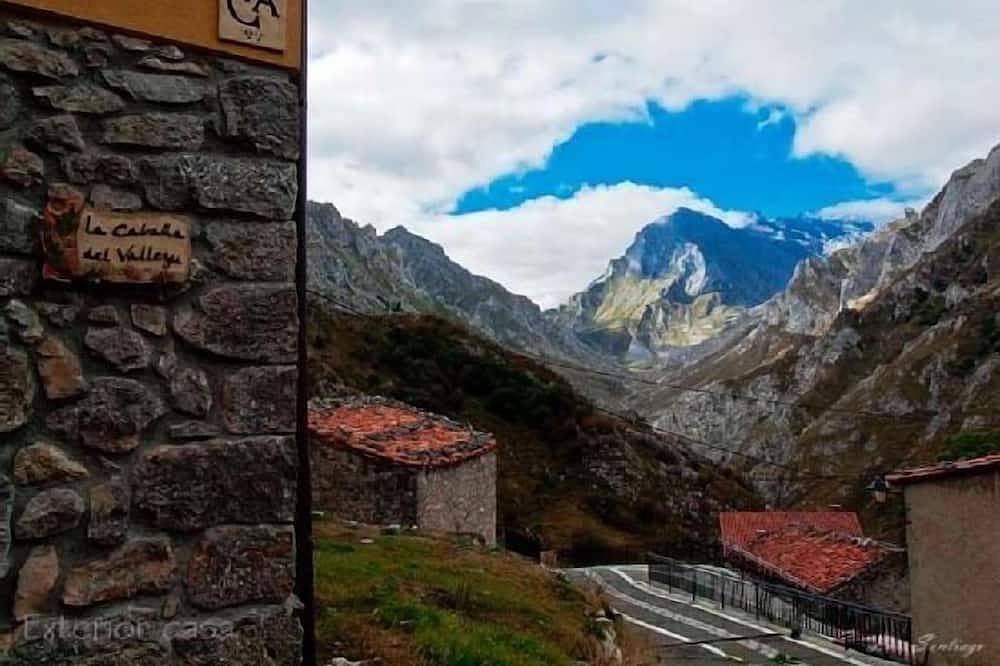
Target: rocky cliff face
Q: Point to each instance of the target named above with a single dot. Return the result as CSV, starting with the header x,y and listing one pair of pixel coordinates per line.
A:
x,y
888,348
688,277
400,271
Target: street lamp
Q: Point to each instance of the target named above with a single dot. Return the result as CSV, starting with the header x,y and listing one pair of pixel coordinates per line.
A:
x,y
879,489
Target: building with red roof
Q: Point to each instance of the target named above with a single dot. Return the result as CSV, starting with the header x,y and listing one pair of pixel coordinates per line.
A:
x,y
738,528
380,461
953,544
823,552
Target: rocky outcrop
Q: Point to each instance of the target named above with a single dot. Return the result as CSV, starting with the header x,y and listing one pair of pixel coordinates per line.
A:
x,y
871,359
687,278
402,272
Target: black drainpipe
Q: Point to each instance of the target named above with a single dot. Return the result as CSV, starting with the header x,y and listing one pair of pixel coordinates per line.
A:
x,y
303,518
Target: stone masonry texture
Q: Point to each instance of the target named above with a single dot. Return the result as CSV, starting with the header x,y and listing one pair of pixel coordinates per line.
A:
x,y
147,460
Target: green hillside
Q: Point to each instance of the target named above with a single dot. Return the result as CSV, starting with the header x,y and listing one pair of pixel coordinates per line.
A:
x,y
573,479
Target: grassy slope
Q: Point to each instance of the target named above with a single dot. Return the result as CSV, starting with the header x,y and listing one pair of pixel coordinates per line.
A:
x,y
571,479
412,600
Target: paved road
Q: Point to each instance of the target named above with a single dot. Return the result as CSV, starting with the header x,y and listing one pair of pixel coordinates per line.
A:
x,y
669,619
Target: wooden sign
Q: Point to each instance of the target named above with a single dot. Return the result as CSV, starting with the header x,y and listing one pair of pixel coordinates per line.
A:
x,y
261,23
81,242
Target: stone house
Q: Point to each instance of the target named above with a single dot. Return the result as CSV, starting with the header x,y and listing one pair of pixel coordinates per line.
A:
x,y
383,462
953,545
821,552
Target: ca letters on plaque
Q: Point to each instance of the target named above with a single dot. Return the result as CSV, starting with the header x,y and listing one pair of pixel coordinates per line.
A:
x,y
84,243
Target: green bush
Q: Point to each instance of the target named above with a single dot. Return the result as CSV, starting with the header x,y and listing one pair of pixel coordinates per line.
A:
x,y
971,445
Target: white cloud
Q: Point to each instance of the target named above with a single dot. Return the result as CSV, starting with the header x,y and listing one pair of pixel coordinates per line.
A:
x,y
412,105
550,248
878,211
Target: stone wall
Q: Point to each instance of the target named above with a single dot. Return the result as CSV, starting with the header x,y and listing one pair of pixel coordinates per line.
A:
x,y
355,487
147,443
460,498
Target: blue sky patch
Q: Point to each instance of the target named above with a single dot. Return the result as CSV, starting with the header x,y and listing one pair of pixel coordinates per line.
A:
x,y
738,156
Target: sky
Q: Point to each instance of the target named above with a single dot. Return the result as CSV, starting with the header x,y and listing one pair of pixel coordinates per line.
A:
x,y
533,138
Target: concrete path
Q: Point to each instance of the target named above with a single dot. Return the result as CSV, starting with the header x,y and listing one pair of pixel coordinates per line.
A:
x,y
668,619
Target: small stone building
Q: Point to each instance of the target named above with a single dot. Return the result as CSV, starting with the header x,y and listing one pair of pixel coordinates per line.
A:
x,y
953,547
821,552
382,462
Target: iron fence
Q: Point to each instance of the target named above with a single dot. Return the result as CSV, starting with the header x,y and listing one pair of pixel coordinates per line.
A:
x,y
872,631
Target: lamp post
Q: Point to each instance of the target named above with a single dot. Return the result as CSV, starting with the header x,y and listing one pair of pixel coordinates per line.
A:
x,y
879,489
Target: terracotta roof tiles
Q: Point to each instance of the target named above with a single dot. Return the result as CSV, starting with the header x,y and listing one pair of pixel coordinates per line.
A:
x,y
972,466
739,527
395,432
816,560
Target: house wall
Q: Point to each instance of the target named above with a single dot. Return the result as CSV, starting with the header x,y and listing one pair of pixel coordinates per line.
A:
x,y
147,453
460,499
885,586
953,540
355,487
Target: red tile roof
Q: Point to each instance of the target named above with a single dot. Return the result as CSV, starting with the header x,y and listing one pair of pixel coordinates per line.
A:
x,y
396,432
739,527
816,560
918,474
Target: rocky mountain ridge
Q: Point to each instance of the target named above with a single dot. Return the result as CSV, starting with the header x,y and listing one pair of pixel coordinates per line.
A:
x,y
354,266
889,346
688,277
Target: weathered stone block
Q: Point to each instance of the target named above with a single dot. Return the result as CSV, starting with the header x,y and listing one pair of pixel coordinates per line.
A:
x,y
17,388
260,400
156,130
191,391
232,565
50,512
26,323
60,370
159,64
269,638
169,52
190,487
35,583
248,322
108,198
192,430
109,513
80,98
133,44
247,251
23,167
264,111
86,168
18,228
45,463
30,58
64,39
123,348
162,88
104,314
150,318
266,189
59,314
18,277
58,134
111,417
142,566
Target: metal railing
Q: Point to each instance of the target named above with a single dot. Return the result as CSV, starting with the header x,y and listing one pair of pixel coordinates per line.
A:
x,y
876,632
